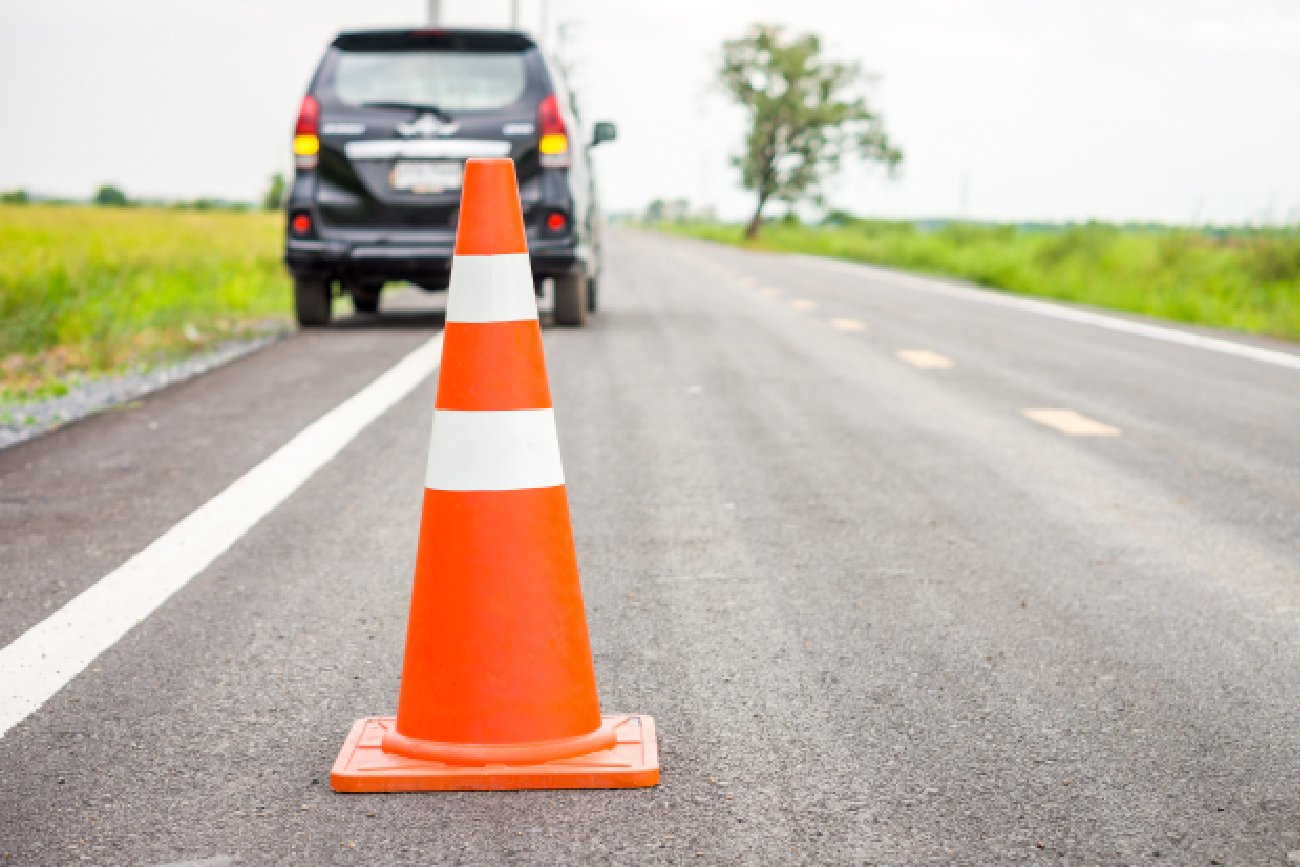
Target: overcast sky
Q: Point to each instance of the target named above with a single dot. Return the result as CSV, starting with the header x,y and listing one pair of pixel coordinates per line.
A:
x,y
1173,110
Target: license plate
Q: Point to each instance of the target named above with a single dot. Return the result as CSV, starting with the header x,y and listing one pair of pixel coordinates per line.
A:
x,y
426,176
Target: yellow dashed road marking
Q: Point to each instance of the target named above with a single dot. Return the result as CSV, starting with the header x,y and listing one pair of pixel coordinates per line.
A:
x,y
849,324
769,291
802,305
925,359
1067,421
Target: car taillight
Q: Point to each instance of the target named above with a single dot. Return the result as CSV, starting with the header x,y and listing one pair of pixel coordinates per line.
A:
x,y
306,139
300,224
556,221
554,143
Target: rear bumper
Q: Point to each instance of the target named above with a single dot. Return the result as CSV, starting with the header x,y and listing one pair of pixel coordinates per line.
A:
x,y
428,264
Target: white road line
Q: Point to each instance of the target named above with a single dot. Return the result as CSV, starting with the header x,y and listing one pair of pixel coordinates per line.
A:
x,y
925,359
1068,314
50,654
1067,421
848,324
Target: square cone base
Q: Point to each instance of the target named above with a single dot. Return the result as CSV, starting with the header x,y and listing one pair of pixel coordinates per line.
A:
x,y
363,766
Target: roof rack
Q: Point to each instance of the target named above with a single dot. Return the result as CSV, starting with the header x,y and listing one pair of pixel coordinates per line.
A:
x,y
445,38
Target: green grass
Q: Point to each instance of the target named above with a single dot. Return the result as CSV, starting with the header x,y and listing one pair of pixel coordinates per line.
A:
x,y
86,290
1247,279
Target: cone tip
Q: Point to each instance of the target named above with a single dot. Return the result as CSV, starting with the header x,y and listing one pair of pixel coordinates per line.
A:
x,y
479,166
491,221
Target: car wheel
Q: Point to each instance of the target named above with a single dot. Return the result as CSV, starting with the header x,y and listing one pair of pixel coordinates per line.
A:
x,y
365,297
593,284
312,301
571,300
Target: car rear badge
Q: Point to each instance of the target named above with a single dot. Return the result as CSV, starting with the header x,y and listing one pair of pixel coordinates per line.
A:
x,y
517,129
427,126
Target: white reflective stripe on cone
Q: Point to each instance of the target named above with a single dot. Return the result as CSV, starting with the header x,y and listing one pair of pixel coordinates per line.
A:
x,y
494,451
491,289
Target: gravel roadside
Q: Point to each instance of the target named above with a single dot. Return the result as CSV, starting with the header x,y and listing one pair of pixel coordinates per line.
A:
x,y
23,421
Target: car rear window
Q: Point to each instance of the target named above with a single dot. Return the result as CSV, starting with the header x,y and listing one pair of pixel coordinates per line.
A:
x,y
452,80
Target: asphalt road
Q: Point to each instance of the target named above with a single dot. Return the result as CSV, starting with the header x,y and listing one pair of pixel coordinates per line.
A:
x,y
879,613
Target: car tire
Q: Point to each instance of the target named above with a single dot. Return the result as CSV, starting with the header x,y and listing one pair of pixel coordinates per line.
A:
x,y
571,300
312,300
365,297
593,286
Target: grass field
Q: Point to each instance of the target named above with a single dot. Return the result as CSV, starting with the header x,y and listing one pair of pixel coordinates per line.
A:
x,y
1245,279
87,290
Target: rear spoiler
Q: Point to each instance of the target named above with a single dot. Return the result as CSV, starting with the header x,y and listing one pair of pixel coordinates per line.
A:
x,y
434,38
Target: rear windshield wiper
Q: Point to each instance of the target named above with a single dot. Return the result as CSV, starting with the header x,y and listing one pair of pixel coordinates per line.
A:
x,y
407,106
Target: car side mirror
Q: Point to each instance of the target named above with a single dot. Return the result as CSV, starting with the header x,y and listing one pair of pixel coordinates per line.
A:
x,y
603,131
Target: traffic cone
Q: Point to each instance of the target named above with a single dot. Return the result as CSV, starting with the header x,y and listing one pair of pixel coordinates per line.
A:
x,y
498,689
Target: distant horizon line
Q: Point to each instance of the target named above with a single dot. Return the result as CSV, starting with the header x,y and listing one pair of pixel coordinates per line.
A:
x,y
638,214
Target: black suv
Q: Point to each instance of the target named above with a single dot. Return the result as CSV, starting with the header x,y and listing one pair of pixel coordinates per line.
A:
x,y
385,128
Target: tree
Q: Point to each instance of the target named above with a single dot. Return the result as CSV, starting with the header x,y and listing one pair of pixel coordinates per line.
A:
x,y
110,195
274,196
14,197
806,114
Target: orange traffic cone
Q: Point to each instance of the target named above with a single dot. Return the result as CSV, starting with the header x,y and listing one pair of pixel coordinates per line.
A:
x,y
498,689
